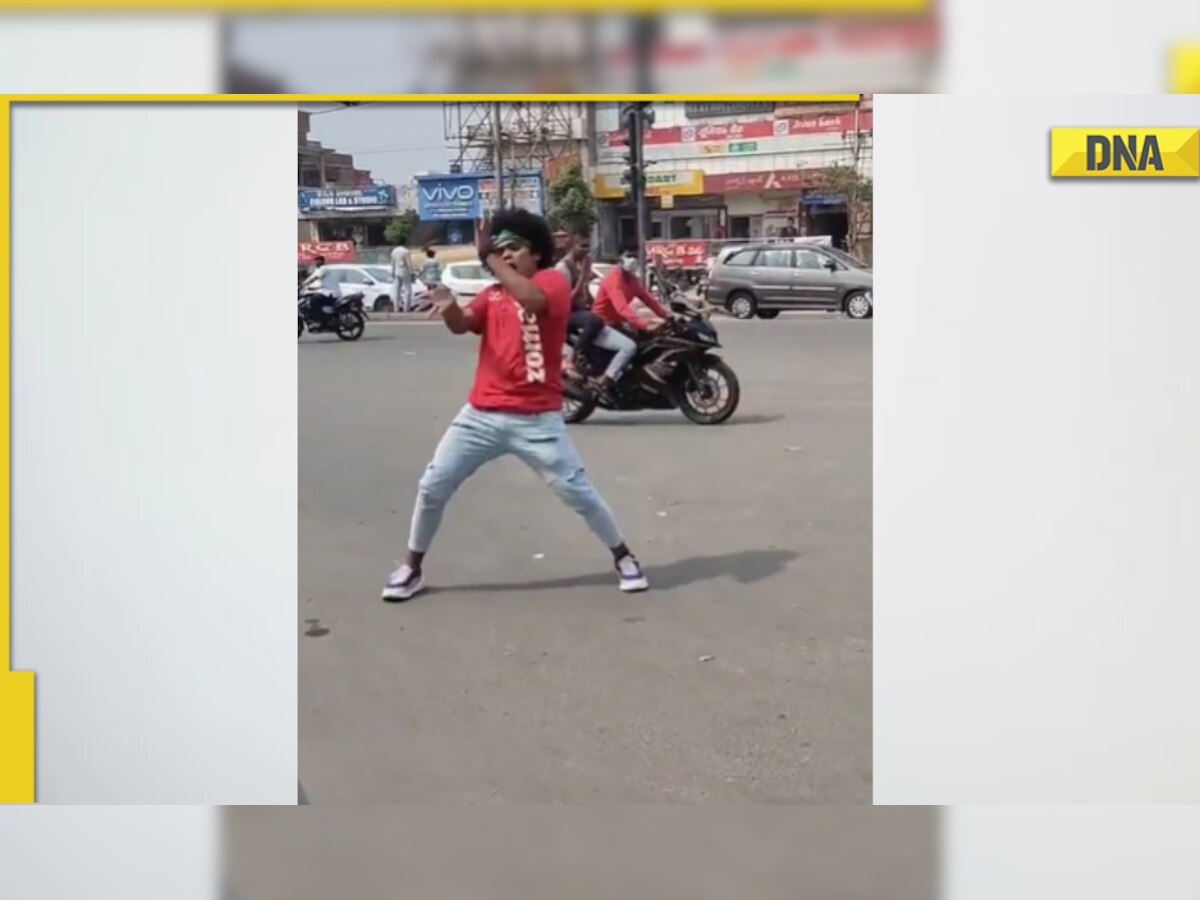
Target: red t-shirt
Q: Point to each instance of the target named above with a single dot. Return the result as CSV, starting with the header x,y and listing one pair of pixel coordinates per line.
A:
x,y
614,301
520,354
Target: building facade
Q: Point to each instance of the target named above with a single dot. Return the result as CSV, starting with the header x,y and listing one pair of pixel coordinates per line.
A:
x,y
336,200
724,171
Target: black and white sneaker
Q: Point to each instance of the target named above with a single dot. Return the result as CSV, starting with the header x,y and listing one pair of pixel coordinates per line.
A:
x,y
630,576
403,584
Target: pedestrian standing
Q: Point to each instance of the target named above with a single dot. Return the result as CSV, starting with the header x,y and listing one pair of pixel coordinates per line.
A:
x,y
515,405
402,278
431,270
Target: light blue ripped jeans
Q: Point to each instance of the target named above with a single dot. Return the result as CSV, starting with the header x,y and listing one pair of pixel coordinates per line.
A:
x,y
540,441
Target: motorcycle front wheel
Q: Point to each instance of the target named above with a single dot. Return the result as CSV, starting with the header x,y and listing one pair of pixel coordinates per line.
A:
x,y
708,393
351,325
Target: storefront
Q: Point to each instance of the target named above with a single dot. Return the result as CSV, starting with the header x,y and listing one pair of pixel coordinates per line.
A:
x,y
359,214
680,208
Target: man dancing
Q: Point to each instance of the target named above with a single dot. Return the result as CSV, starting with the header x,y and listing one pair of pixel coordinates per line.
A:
x,y
515,405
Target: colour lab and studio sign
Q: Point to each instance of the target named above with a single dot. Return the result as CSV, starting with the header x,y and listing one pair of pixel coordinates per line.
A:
x,y
369,198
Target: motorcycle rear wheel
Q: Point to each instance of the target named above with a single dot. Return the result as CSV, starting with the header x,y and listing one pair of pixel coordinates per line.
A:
x,y
705,403
351,325
578,404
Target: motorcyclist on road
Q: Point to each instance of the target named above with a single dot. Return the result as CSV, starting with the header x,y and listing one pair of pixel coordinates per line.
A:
x,y
588,327
614,303
324,290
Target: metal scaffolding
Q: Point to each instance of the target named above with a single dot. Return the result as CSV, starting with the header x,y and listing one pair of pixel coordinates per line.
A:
x,y
532,136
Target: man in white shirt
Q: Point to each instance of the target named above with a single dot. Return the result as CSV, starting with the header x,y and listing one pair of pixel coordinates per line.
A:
x,y
402,277
325,284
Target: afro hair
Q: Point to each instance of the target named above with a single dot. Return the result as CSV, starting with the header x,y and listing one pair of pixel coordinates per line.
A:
x,y
530,228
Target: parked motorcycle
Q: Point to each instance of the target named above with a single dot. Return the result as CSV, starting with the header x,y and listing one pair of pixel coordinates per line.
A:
x,y
321,314
699,384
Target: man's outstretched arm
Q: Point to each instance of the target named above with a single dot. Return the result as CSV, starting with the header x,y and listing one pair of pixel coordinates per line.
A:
x,y
651,301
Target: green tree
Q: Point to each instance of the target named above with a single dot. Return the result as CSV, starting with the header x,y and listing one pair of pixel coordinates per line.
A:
x,y
401,226
857,190
572,206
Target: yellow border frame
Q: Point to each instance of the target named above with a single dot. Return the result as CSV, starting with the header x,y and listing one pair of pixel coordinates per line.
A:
x,y
17,712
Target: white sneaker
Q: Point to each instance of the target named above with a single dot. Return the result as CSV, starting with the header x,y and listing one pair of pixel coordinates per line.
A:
x,y
629,574
403,583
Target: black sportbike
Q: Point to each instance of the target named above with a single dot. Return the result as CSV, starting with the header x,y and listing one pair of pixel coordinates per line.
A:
x,y
697,382
323,314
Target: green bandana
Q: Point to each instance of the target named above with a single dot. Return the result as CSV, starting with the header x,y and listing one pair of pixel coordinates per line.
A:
x,y
505,238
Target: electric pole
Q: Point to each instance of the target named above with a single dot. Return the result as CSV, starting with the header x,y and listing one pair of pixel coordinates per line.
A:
x,y
496,138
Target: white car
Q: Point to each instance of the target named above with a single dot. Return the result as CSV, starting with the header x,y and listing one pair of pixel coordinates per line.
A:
x,y
374,282
466,279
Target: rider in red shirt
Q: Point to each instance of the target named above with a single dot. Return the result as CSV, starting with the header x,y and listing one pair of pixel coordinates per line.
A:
x,y
617,291
515,404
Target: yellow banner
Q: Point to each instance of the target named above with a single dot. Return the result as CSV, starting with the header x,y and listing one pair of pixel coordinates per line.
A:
x,y
1125,152
677,184
658,184
1185,68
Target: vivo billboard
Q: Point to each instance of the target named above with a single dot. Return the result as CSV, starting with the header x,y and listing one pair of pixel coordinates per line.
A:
x,y
442,198
450,198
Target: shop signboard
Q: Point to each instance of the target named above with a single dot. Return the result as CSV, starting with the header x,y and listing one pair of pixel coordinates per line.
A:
x,y
761,182
367,197
333,251
614,143
686,254
710,110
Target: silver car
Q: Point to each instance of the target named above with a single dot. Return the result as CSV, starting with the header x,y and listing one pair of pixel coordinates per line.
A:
x,y
765,279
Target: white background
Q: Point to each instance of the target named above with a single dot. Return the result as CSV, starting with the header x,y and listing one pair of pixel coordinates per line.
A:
x,y
1037,497
109,853
154,450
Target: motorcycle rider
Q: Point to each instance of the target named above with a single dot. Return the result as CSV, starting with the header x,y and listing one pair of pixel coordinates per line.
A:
x,y
515,405
589,328
614,304
324,291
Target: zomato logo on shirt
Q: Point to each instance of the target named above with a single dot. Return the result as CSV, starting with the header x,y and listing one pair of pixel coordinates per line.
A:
x,y
535,362
520,354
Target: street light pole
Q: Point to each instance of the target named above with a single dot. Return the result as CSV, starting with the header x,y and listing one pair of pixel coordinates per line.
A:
x,y
499,162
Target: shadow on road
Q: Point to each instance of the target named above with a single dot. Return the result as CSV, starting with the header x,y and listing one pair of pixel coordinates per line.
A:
x,y
676,419
745,567
331,340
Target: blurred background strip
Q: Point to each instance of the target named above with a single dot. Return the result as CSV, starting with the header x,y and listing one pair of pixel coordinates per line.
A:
x,y
573,53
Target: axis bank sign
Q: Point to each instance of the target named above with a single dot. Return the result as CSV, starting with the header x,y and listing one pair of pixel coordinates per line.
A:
x,y
448,197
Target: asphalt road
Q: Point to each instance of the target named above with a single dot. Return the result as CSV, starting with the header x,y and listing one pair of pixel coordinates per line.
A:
x,y
523,675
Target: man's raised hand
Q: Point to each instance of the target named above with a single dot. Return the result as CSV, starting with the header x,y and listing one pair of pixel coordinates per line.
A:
x,y
443,299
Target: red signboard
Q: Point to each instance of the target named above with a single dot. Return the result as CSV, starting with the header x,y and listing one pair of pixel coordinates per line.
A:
x,y
810,123
333,251
678,254
761,182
